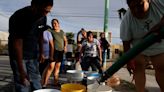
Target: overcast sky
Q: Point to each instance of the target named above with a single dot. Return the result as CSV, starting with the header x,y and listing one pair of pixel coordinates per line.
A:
x,y
72,14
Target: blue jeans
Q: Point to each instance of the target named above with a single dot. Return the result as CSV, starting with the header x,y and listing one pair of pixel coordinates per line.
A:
x,y
31,67
103,57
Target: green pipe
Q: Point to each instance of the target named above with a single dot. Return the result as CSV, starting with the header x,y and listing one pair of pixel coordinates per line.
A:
x,y
106,25
125,58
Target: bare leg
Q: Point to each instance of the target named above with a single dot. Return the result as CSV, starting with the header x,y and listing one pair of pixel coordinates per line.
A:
x,y
56,72
47,73
139,73
158,63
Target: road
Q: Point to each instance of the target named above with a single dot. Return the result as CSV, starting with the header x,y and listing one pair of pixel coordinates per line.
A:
x,y
6,77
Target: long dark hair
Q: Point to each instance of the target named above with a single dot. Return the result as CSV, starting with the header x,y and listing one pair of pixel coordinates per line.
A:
x,y
53,21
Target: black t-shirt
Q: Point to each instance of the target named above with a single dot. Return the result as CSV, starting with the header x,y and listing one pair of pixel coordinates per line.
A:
x,y
104,43
25,25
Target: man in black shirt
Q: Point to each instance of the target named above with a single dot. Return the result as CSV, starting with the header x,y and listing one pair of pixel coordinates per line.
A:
x,y
25,32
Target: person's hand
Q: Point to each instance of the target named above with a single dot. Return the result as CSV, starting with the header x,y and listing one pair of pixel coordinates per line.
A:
x,y
41,58
100,60
24,79
65,49
51,59
131,66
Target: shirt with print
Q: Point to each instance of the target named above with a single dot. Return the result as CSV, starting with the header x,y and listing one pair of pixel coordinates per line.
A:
x,y
134,29
90,49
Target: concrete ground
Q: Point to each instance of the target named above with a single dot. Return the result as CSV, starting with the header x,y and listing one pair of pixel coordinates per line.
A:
x,y
6,82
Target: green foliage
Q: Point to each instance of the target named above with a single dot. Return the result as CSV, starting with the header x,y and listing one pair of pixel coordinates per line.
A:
x,y
70,35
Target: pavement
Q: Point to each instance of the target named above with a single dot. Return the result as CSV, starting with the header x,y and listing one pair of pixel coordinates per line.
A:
x,y
6,77
151,85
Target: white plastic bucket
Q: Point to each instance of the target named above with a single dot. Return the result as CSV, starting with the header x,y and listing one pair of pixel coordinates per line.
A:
x,y
47,90
74,75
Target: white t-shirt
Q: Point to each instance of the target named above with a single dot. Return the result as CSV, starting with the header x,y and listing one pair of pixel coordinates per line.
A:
x,y
134,29
47,36
90,49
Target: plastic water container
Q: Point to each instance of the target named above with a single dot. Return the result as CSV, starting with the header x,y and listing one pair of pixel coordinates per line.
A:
x,y
74,75
70,87
47,90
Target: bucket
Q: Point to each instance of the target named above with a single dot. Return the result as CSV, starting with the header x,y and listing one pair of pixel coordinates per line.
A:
x,y
74,75
47,90
70,87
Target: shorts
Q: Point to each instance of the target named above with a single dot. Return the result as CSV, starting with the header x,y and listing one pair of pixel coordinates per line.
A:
x,y
58,56
43,66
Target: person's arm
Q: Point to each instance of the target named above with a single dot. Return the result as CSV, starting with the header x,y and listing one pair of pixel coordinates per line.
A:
x,y
99,52
40,42
78,37
41,53
51,42
16,33
65,43
108,44
81,52
51,46
18,49
131,64
126,45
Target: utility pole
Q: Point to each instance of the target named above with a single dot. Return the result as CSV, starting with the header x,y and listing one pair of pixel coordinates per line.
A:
x,y
106,26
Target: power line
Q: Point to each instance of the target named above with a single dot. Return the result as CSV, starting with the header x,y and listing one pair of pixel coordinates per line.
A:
x,y
87,16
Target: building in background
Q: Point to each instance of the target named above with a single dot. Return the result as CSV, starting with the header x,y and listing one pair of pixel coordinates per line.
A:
x,y
4,43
